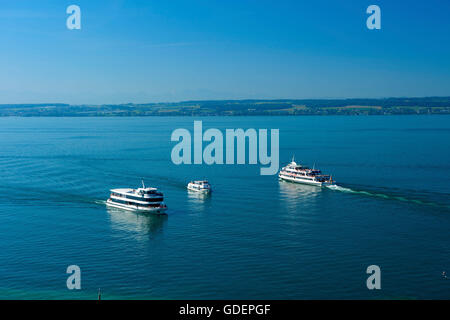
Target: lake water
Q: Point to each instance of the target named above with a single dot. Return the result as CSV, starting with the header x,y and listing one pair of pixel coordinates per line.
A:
x,y
255,237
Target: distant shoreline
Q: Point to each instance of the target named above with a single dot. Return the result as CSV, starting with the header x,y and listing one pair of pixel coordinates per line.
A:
x,y
284,107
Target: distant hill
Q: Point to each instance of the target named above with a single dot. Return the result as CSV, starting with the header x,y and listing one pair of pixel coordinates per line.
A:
x,y
388,106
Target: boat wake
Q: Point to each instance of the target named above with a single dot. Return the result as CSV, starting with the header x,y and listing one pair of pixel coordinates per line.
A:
x,y
385,196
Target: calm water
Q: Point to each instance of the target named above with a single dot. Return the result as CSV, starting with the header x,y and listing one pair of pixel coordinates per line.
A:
x,y
255,237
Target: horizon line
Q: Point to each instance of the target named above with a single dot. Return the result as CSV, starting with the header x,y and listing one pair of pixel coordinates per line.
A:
x,y
220,100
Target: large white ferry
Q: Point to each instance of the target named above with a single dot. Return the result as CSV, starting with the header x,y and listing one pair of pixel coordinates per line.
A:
x,y
142,199
300,174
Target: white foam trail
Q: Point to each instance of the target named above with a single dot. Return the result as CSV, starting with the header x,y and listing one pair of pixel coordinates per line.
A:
x,y
382,195
367,193
339,188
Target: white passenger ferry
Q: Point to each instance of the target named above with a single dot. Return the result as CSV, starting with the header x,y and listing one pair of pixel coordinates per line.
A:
x,y
199,186
142,199
300,174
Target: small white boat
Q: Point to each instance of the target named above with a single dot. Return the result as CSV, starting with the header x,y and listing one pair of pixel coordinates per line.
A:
x,y
143,199
199,186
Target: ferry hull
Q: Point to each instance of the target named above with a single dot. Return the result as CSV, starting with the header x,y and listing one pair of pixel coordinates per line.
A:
x,y
135,208
303,181
198,190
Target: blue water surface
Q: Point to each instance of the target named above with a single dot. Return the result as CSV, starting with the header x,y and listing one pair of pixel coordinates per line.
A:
x,y
254,238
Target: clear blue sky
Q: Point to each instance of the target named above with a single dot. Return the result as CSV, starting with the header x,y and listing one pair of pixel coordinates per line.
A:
x,y
171,50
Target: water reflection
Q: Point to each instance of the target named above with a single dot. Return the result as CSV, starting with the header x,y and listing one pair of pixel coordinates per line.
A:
x,y
198,200
136,222
295,194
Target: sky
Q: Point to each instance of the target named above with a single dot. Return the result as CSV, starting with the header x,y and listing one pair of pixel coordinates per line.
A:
x,y
172,50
